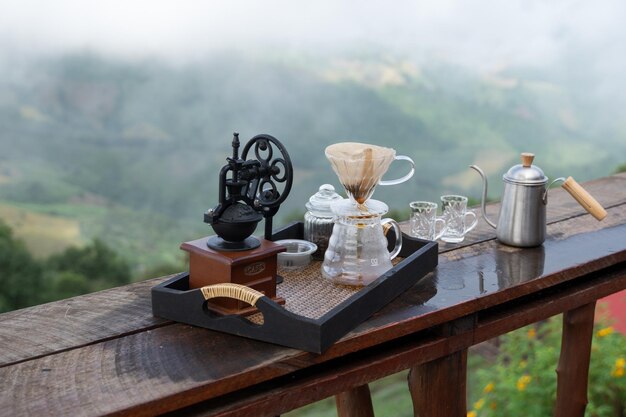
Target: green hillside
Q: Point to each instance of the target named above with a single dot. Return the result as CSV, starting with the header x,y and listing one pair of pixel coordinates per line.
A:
x,y
129,151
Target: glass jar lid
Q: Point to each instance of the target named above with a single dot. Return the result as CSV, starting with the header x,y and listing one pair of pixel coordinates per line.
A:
x,y
526,172
319,203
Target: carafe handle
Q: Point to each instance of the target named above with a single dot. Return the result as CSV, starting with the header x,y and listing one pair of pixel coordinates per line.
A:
x,y
403,179
391,223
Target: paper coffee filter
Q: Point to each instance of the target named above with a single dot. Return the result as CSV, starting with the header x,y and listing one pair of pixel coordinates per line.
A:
x,y
359,166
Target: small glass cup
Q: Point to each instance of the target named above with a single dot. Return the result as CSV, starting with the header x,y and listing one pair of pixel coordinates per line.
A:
x,y
424,220
455,214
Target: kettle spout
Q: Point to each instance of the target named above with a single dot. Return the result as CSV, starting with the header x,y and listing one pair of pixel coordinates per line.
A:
x,y
484,196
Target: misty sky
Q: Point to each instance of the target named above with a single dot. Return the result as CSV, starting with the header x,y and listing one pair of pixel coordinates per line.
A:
x,y
480,33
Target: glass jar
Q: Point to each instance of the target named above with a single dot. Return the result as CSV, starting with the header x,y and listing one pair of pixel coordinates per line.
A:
x,y
318,220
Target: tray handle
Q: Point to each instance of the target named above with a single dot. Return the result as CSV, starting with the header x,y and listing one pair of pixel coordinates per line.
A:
x,y
236,291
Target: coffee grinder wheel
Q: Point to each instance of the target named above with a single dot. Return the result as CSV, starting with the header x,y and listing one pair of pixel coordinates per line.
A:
x,y
250,189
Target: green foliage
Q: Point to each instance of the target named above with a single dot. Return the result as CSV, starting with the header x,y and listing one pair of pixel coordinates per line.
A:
x,y
522,381
621,168
96,262
20,274
66,284
25,281
399,215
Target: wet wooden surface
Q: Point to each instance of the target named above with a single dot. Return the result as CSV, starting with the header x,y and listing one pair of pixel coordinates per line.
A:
x,y
104,353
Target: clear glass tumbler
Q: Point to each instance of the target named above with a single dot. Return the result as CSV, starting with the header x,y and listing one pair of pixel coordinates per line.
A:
x,y
424,221
455,214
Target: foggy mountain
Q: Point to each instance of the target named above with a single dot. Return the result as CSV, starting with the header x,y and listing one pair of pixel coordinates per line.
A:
x,y
131,149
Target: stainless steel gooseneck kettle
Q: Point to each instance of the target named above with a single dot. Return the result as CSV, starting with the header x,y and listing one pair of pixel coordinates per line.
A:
x,y
522,220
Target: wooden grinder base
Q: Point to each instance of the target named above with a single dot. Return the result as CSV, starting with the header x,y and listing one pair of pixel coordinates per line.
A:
x,y
255,268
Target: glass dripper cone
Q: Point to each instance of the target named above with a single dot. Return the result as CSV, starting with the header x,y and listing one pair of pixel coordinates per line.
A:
x,y
360,167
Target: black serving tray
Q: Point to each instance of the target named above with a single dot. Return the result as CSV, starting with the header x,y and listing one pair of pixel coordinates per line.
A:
x,y
174,300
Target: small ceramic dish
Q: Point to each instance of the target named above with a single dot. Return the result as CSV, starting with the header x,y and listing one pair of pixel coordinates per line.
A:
x,y
298,253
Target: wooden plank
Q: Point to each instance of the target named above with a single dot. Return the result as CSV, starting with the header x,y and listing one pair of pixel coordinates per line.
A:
x,y
438,387
54,327
140,374
338,375
444,290
356,402
573,368
171,367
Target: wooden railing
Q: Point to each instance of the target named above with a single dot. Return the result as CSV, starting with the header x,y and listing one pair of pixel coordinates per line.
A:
x,y
104,353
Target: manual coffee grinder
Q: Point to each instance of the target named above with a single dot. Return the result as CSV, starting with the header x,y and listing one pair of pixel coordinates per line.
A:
x,y
249,190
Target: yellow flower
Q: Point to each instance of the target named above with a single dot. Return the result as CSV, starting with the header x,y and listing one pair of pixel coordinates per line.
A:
x,y
532,333
618,369
471,413
523,381
489,387
479,404
605,331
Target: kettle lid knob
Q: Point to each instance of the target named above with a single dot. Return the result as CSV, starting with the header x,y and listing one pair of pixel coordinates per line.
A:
x,y
525,173
527,159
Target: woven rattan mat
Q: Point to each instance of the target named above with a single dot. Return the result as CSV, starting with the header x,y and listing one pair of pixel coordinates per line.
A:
x,y
308,294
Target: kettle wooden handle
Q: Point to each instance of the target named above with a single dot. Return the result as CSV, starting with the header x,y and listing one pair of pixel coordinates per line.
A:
x,y
584,198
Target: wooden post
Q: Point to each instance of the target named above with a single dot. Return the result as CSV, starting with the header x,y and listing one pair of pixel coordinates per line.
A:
x,y
356,402
438,387
573,368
